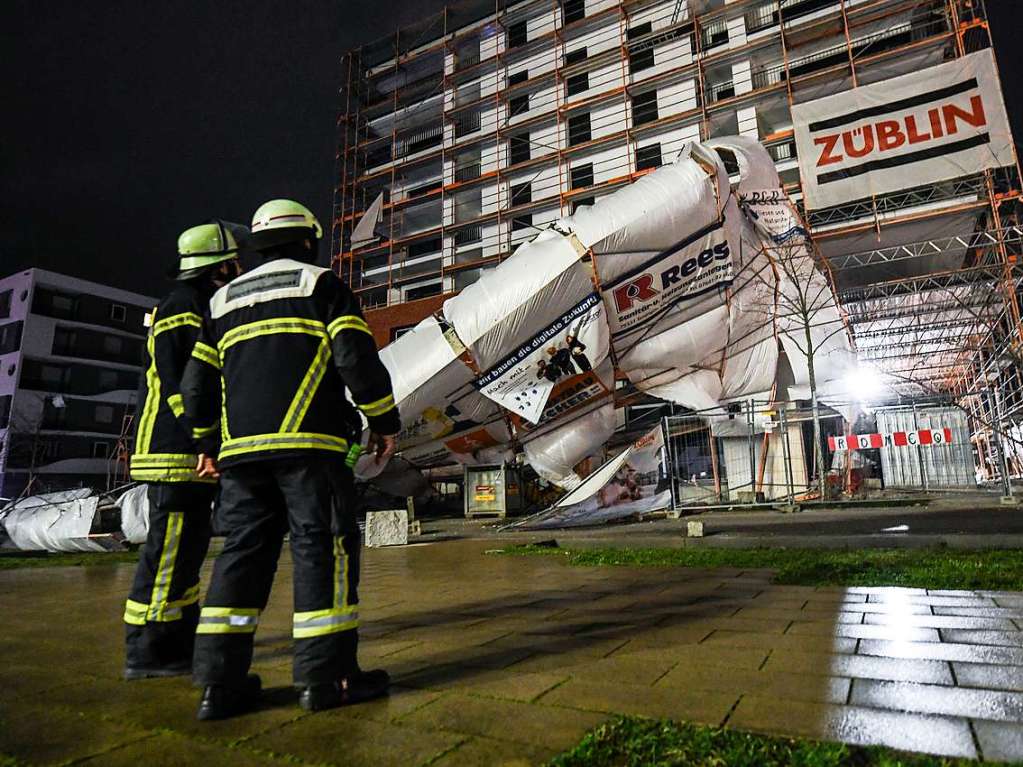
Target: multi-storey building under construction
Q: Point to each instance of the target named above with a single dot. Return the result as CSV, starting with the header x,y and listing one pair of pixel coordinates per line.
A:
x,y
486,122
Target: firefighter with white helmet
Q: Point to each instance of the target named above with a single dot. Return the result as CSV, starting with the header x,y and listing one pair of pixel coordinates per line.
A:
x,y
287,340
163,608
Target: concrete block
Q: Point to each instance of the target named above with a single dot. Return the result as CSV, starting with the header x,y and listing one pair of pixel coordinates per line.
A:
x,y
1009,500
415,527
694,529
387,528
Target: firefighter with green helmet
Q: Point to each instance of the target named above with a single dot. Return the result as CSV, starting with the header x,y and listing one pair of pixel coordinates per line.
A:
x,y
286,341
162,609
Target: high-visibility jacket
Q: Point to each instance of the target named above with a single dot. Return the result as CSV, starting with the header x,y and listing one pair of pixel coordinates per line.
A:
x,y
165,447
287,339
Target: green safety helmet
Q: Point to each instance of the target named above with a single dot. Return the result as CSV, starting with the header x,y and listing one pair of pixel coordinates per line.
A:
x,y
205,245
279,222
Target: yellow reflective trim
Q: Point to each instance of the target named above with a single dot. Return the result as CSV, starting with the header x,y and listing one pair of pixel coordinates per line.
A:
x,y
169,475
228,620
307,389
269,327
322,622
290,441
135,613
145,460
225,432
379,407
340,574
227,612
152,404
177,405
206,353
165,570
177,321
199,432
348,322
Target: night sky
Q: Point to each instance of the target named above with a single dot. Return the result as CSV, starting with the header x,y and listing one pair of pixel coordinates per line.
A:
x,y
130,121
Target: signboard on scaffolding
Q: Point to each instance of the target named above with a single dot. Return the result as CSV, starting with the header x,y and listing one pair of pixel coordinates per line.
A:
x,y
940,123
895,439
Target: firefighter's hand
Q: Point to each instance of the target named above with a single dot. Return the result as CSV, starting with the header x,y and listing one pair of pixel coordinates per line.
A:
x,y
383,445
207,467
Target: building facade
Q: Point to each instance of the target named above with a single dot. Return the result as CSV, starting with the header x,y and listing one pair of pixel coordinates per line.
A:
x,y
491,120
70,360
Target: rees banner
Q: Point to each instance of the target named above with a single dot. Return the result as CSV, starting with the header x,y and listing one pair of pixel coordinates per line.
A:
x,y
689,268
939,123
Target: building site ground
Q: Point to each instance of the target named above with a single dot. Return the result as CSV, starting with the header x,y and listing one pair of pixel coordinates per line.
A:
x,y
502,659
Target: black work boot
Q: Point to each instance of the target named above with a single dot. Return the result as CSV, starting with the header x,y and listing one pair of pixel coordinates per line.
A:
x,y
222,701
180,668
355,688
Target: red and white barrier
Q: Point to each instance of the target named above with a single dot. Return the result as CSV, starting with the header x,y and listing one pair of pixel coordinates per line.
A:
x,y
895,439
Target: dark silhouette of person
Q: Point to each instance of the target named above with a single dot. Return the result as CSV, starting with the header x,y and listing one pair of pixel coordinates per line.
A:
x,y
563,359
548,370
577,349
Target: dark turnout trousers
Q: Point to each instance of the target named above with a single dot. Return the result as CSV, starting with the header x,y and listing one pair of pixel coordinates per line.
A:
x,y
312,498
163,608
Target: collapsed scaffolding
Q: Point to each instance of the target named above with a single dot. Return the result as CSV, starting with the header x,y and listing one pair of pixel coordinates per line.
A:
x,y
473,157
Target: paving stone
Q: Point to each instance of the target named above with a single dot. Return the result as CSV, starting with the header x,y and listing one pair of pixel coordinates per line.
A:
x,y
340,737
981,612
708,655
805,642
930,734
669,702
781,685
999,741
989,677
942,651
940,621
536,725
968,636
870,667
966,599
490,752
54,734
170,750
757,613
865,631
935,699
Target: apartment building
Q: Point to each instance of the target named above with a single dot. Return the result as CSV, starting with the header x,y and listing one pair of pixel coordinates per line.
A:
x,y
489,121
70,360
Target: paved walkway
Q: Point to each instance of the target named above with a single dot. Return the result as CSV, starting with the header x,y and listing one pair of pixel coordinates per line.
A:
x,y
509,660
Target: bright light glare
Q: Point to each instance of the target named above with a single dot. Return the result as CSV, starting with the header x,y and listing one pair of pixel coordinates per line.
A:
x,y
865,384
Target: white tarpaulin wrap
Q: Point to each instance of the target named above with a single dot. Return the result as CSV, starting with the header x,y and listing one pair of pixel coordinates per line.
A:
x,y
134,506
53,521
920,128
628,484
675,279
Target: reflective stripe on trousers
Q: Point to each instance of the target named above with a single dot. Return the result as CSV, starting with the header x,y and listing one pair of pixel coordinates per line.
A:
x,y
228,620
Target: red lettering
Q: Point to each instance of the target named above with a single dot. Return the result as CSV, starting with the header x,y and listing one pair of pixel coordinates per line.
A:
x,y
915,137
867,132
828,155
638,290
935,117
974,117
889,135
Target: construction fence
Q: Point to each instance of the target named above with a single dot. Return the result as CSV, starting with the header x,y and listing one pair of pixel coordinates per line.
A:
x,y
758,452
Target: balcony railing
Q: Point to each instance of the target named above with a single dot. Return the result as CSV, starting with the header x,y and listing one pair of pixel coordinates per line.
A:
x,y
468,171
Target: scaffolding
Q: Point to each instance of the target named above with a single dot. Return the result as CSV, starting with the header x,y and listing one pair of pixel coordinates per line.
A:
x,y
490,120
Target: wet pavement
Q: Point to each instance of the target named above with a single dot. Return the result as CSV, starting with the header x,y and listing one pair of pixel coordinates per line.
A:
x,y
504,660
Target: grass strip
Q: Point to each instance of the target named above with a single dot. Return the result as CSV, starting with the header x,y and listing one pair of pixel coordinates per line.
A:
x,y
933,568
18,560
631,741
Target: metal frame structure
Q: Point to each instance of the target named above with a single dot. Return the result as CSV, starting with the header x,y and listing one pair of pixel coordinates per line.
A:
x,y
471,125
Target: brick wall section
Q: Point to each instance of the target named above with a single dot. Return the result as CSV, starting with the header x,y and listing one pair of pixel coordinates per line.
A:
x,y
382,321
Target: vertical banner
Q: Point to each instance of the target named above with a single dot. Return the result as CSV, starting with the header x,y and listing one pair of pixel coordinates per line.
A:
x,y
942,122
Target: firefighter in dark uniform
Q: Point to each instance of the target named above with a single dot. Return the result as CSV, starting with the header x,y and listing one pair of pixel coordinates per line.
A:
x,y
163,608
286,340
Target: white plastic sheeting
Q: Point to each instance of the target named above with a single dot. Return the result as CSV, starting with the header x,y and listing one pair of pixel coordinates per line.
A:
x,y
53,521
688,269
134,506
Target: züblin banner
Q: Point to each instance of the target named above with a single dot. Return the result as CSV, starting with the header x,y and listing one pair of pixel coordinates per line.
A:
x,y
939,123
